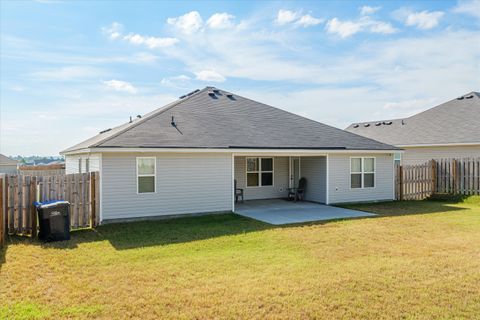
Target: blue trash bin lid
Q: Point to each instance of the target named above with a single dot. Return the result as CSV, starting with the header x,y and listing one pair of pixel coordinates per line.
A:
x,y
50,203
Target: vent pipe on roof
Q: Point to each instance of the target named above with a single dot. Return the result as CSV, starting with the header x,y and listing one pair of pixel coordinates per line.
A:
x,y
131,119
173,122
138,116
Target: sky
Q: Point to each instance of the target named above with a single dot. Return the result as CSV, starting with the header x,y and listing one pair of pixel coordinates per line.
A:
x,y
71,69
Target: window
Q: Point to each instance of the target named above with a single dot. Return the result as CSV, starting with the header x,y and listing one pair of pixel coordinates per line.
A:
x,y
146,170
397,158
259,172
80,165
87,165
362,173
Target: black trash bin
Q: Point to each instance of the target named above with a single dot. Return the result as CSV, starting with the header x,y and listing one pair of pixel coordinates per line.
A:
x,y
54,220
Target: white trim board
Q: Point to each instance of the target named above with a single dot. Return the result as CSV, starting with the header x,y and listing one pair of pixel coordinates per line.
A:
x,y
237,151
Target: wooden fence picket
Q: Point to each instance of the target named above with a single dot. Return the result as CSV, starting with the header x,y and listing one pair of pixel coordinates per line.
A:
x,y
18,213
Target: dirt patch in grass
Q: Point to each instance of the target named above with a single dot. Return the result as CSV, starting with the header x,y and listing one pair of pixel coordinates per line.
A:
x,y
417,260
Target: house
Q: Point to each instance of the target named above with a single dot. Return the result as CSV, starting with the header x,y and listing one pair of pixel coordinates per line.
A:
x,y
185,158
450,130
7,165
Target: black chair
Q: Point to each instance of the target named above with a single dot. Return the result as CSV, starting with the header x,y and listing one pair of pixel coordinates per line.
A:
x,y
298,193
238,191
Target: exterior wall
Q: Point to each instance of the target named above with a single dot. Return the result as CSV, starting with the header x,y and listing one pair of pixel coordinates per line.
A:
x,y
314,169
71,162
8,169
422,155
339,179
280,180
185,183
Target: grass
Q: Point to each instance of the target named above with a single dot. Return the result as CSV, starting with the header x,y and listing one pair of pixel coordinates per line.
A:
x,y
416,260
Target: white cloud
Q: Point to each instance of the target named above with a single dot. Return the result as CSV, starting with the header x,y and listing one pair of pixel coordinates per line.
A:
x,y
469,8
286,16
119,85
366,10
209,76
150,42
424,19
307,21
188,23
344,29
348,28
114,31
220,21
180,81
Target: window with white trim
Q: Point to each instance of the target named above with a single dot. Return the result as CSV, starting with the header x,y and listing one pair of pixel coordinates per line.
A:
x,y
259,172
362,173
146,172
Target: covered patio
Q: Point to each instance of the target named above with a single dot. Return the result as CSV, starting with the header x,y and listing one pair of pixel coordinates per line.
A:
x,y
280,211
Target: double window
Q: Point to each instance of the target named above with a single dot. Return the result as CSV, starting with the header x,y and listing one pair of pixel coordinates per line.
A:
x,y
146,171
259,172
362,173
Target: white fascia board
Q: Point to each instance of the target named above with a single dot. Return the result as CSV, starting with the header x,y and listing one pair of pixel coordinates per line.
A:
x,y
238,152
439,145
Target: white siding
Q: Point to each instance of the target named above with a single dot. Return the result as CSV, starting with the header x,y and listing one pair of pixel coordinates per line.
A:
x,y
185,183
71,162
422,155
339,179
315,171
280,180
8,169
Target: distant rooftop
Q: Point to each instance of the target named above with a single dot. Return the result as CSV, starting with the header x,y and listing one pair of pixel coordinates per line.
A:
x,y
455,121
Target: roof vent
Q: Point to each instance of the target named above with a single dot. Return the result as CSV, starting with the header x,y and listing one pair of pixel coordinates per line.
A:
x,y
378,124
355,125
469,97
173,122
212,94
106,130
216,91
387,122
230,96
366,125
460,98
138,116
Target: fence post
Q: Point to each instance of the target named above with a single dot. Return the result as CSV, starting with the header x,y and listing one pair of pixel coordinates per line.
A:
x,y
400,181
33,209
434,176
93,205
455,175
2,216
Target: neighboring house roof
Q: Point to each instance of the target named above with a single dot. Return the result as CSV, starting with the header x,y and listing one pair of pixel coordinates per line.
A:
x,y
213,118
454,122
6,161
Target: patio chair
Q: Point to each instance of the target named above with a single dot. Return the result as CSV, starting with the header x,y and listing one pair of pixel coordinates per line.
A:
x,y
298,193
238,191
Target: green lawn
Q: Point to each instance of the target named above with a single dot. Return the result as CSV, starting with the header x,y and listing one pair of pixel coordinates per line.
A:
x,y
416,260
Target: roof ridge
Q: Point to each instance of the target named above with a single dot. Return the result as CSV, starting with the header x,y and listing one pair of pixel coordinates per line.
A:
x,y
148,116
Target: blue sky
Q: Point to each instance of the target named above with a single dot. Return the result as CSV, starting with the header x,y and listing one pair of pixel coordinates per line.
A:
x,y
70,69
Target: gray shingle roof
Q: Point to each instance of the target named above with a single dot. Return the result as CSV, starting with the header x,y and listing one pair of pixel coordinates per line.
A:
x,y
455,121
6,161
221,121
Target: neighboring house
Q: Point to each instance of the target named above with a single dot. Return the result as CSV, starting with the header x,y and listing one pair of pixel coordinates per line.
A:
x,y
8,165
450,130
183,158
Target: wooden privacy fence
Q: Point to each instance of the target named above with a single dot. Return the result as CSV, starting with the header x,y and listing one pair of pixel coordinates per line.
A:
x,y
454,176
21,191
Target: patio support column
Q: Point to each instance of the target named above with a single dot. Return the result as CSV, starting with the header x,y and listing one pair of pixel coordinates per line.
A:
x,y
327,200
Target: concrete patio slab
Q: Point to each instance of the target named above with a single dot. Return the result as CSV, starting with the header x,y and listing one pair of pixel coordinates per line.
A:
x,y
278,211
